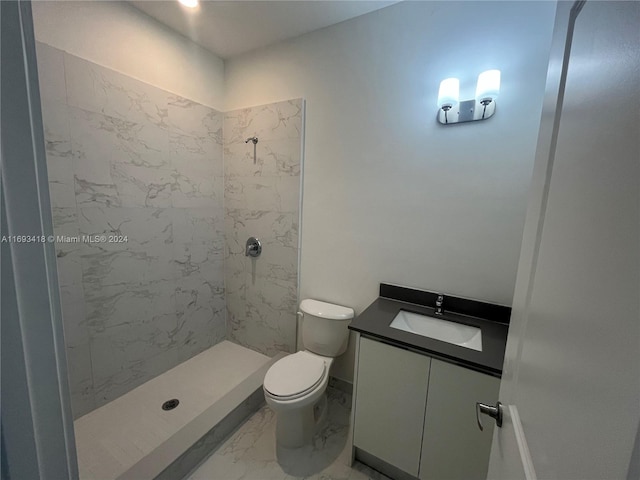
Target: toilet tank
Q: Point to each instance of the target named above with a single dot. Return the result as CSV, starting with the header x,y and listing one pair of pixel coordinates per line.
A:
x,y
324,327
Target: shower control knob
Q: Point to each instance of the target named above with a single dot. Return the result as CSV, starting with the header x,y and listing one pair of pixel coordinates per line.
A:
x,y
253,247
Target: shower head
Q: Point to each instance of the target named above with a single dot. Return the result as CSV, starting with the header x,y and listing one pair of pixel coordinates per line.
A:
x,y
251,139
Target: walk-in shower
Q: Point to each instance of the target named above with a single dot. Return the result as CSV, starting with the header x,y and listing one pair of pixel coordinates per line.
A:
x,y
151,317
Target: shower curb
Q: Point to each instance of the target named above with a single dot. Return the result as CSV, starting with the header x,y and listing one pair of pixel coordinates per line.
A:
x,y
185,450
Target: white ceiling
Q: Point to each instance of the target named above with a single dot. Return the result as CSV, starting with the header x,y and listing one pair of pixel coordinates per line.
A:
x,y
231,28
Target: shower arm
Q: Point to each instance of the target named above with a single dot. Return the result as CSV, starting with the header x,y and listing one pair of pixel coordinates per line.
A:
x,y
255,142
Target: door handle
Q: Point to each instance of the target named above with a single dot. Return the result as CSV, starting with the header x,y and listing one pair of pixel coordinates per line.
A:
x,y
493,412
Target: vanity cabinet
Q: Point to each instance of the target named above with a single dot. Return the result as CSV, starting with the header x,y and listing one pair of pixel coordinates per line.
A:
x,y
453,447
391,395
417,413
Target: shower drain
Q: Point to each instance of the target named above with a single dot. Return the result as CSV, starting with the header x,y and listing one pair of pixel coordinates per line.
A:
x,y
170,404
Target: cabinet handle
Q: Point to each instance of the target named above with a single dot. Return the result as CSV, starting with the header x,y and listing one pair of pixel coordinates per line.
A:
x,y
493,412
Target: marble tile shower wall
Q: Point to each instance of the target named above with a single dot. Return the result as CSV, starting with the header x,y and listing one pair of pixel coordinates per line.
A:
x,y
262,199
127,159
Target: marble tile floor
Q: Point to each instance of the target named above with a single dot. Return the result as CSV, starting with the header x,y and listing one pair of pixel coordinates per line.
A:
x,y
251,452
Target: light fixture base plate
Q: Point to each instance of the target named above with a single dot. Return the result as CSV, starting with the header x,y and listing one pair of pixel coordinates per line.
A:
x,y
467,111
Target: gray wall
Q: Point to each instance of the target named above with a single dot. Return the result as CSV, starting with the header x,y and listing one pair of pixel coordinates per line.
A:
x,y
126,158
262,199
389,194
120,37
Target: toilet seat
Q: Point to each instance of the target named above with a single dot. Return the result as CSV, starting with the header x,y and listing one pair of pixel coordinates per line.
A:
x,y
294,376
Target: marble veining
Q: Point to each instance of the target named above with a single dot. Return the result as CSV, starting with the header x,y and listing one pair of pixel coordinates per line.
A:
x,y
281,120
191,118
143,167
57,132
61,182
273,158
262,199
192,190
98,89
251,452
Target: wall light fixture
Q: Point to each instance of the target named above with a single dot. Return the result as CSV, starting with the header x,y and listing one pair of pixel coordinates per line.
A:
x,y
452,111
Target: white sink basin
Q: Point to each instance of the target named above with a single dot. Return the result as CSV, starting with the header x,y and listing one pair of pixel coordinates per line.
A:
x,y
439,329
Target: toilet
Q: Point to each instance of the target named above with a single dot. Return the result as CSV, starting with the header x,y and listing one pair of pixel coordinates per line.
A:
x,y
294,387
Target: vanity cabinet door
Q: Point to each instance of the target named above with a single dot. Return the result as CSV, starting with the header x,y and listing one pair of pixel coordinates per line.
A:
x,y
391,392
453,447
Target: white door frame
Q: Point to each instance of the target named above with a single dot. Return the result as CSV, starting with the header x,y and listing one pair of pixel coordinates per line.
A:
x,y
37,424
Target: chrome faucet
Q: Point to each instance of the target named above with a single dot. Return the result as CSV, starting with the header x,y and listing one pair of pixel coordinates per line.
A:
x,y
439,302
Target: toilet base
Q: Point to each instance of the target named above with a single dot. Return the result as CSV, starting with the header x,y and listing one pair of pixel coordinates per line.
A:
x,y
296,427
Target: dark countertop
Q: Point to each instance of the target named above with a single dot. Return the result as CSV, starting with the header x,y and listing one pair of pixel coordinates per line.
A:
x,y
374,322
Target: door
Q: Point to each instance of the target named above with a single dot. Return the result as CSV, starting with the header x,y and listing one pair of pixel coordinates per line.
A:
x,y
571,383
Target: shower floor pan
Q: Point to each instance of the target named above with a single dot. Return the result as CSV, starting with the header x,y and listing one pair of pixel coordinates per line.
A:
x,y
132,437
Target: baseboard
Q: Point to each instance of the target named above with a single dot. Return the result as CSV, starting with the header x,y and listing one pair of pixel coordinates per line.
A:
x,y
381,466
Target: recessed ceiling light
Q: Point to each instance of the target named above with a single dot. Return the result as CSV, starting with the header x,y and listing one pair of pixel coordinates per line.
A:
x,y
189,3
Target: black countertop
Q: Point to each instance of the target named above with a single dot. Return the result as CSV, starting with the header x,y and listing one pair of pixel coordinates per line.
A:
x,y
491,319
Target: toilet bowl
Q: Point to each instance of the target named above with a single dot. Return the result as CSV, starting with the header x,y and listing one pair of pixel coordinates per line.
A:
x,y
294,387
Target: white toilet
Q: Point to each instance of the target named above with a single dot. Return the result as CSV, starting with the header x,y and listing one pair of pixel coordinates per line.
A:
x,y
294,387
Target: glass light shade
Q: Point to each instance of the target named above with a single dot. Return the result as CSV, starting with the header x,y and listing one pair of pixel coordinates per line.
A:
x,y
449,92
189,3
488,85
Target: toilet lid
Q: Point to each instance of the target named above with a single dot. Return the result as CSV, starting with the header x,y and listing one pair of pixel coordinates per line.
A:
x,y
294,374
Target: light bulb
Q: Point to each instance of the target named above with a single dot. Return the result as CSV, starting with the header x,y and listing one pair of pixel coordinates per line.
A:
x,y
449,93
488,86
189,3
